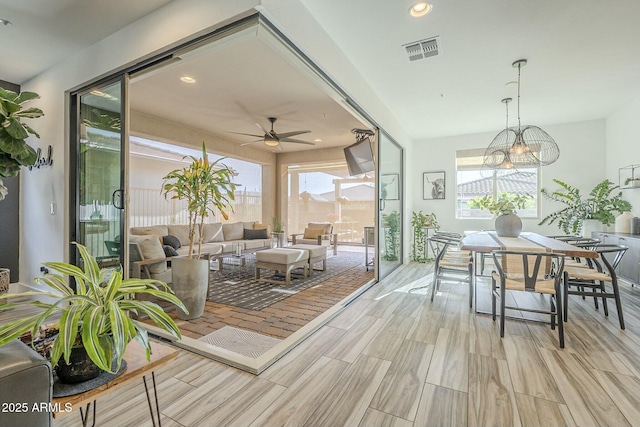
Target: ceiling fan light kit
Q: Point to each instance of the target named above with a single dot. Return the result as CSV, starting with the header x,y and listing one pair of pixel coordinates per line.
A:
x,y
273,139
520,146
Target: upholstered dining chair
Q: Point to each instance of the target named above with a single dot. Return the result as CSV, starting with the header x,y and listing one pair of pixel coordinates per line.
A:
x,y
528,272
450,264
593,280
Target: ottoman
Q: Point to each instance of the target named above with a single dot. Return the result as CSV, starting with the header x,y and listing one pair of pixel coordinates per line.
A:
x,y
282,260
317,253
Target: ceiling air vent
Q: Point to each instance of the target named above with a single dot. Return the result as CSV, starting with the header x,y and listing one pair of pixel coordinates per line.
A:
x,y
423,48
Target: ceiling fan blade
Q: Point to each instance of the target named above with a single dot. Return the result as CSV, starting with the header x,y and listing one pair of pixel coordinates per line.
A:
x,y
296,141
288,134
280,147
266,132
252,142
247,134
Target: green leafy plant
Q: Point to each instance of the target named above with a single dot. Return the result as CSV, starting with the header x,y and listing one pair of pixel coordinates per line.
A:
x,y
14,151
95,314
391,224
506,203
206,187
419,221
277,225
601,205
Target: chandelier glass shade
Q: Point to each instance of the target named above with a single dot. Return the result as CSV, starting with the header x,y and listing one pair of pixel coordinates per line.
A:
x,y
520,146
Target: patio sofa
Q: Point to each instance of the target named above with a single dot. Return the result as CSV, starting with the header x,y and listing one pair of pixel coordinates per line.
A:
x,y
149,252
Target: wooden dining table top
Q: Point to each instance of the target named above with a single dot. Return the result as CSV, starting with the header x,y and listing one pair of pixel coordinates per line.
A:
x,y
487,241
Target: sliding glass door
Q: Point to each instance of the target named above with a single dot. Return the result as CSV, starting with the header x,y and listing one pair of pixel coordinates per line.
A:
x,y
98,188
390,203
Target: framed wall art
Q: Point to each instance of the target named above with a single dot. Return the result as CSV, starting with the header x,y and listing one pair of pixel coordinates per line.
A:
x,y
433,185
390,188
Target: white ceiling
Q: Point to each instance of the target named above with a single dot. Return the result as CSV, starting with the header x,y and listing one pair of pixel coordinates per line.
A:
x,y
242,80
584,61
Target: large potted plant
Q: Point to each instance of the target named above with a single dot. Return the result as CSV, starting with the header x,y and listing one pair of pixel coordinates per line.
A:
x,y
391,227
507,223
94,317
601,205
14,151
206,187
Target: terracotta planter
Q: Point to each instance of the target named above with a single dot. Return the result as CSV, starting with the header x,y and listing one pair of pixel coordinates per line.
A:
x,y
508,225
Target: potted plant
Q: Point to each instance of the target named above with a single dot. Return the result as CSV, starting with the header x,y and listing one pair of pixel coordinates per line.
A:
x,y
601,206
420,221
94,318
207,187
507,223
278,232
14,151
391,225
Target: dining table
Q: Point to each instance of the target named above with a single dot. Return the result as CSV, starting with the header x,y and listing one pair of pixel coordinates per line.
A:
x,y
487,241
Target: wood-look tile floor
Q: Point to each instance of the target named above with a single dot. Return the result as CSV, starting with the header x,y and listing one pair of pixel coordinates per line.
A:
x,y
395,359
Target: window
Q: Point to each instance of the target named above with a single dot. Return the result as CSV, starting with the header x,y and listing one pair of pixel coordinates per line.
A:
x,y
473,180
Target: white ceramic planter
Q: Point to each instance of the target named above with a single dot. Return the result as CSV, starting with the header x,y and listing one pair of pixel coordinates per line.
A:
x,y
508,225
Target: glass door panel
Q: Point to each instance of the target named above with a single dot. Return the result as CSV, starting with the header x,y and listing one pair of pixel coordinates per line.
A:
x,y
390,179
99,193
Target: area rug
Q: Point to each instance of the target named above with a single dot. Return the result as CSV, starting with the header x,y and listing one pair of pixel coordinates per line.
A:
x,y
236,285
239,341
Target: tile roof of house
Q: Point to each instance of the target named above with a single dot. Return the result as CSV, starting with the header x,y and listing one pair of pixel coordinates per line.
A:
x,y
515,182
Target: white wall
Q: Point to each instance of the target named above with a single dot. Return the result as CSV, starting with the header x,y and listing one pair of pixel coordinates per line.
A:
x,y
581,164
45,239
44,236
623,147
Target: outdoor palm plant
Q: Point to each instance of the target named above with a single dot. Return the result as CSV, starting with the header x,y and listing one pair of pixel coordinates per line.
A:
x,y
94,315
206,187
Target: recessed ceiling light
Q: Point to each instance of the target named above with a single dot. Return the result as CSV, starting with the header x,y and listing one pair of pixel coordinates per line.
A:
x,y
317,140
187,79
420,8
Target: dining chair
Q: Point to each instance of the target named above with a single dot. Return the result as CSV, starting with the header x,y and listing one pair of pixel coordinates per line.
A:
x,y
451,264
528,272
593,281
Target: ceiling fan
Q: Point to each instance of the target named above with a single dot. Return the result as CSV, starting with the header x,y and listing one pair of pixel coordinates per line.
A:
x,y
273,139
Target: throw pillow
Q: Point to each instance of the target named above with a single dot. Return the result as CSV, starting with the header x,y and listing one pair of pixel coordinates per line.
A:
x,y
261,227
169,250
172,241
233,231
151,249
255,234
313,233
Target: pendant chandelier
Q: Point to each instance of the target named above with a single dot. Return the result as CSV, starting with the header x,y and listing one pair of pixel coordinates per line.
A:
x,y
520,146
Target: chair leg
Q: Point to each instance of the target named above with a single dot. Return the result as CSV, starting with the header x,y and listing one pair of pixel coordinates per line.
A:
x,y
503,297
433,284
558,298
553,313
470,285
565,280
603,290
616,296
493,298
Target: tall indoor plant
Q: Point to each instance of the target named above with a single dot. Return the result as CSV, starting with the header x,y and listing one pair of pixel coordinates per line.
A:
x,y
14,151
207,187
94,317
507,223
601,205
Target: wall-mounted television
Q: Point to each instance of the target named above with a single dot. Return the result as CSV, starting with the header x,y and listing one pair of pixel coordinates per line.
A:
x,y
359,157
